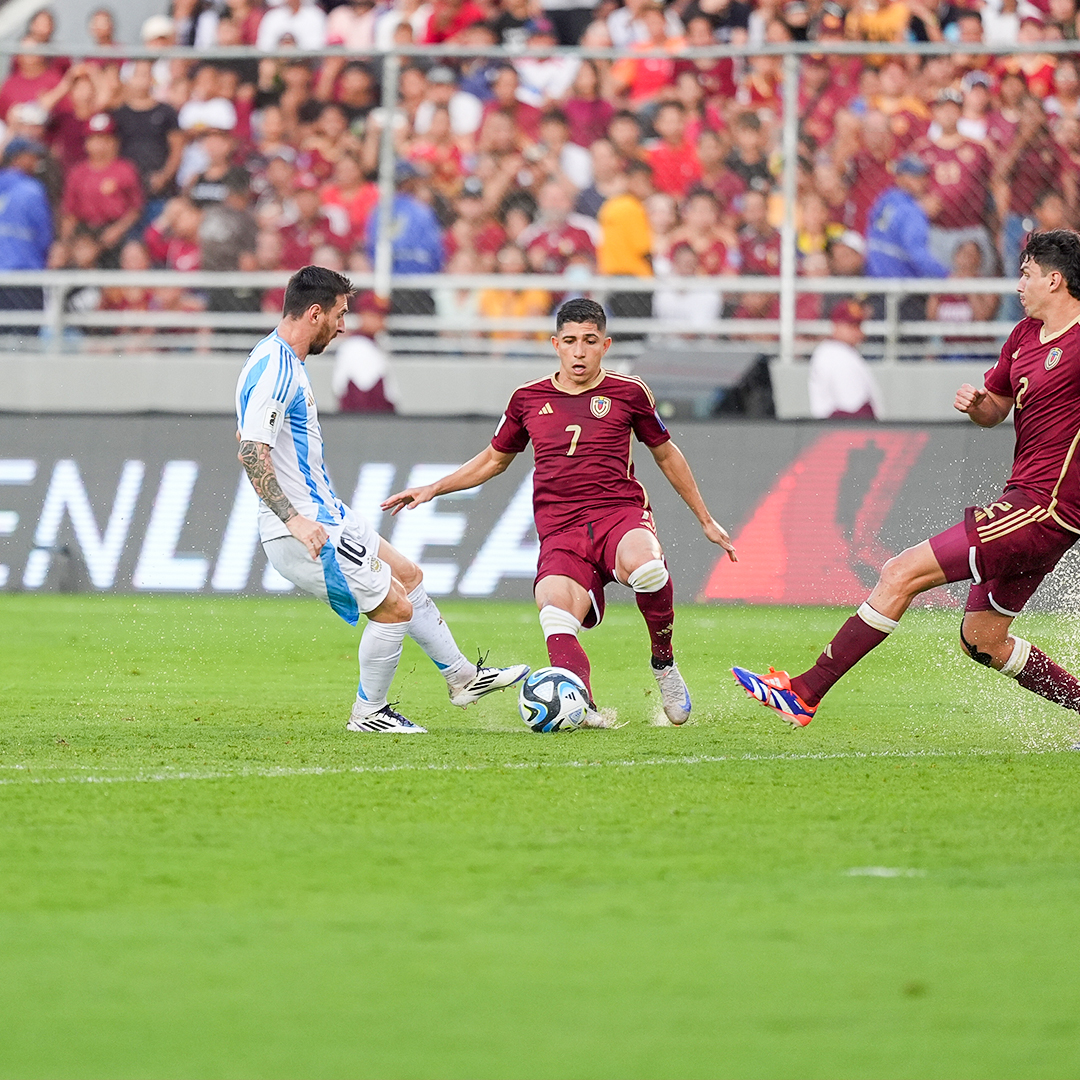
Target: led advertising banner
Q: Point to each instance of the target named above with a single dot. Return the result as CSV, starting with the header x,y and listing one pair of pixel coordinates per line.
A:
x,y
160,504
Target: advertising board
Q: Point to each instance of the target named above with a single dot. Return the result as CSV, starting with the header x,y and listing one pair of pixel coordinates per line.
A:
x,y
156,503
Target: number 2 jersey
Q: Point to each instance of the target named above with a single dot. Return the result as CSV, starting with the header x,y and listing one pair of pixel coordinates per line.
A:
x,y
1042,376
275,405
582,445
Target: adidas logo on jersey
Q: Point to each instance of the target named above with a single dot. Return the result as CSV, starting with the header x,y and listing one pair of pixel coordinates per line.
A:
x,y
547,410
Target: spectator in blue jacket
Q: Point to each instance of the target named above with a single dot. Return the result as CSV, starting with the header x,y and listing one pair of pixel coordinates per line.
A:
x,y
416,240
898,237
26,228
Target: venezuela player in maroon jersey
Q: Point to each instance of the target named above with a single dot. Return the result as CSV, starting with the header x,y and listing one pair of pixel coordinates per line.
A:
x,y
592,515
1008,547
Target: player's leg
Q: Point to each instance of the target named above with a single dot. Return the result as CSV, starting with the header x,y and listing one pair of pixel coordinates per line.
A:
x,y
904,577
639,563
351,582
985,637
379,655
564,603
466,682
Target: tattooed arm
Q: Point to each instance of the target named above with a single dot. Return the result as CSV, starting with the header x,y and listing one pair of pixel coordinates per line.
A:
x,y
255,457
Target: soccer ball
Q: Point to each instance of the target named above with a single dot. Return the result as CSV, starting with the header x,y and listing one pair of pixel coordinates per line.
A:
x,y
553,699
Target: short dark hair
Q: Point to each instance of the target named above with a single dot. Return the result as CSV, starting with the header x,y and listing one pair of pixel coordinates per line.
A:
x,y
580,310
314,285
1056,249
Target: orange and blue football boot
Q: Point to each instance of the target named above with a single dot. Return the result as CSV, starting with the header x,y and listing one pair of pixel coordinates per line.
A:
x,y
774,691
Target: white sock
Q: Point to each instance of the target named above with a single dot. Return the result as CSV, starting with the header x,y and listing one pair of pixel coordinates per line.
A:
x,y
431,633
379,653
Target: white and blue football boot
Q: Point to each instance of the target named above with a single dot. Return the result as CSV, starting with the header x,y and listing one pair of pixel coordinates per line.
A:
x,y
486,681
384,721
674,695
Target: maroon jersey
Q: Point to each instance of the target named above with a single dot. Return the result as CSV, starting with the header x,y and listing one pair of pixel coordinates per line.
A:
x,y
960,178
868,177
1043,378
551,248
759,254
1039,168
98,197
582,445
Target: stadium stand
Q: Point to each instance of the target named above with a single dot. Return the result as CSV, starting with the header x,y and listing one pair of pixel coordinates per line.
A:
x,y
657,166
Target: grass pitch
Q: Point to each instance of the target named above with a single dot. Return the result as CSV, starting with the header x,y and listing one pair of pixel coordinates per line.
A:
x,y
203,875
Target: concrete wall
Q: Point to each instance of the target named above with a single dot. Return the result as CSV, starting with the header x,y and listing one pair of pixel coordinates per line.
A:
x,y
204,383
909,390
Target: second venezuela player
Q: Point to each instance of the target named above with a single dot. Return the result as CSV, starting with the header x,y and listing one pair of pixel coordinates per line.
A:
x,y
592,514
1008,547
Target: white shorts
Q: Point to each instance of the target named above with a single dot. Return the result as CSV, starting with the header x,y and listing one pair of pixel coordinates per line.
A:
x,y
349,575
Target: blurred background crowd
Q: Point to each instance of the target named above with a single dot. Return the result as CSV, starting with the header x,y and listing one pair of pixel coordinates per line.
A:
x,y
649,167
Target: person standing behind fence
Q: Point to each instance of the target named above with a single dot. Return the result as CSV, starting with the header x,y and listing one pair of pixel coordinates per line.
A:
x,y
842,387
25,223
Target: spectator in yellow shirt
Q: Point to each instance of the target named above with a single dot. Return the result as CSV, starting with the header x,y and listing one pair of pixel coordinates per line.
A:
x,y
625,246
513,303
626,237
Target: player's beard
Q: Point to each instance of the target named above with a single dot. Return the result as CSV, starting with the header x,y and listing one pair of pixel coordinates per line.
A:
x,y
325,337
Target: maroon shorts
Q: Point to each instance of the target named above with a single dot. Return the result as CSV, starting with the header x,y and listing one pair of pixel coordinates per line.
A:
x,y
1007,548
586,553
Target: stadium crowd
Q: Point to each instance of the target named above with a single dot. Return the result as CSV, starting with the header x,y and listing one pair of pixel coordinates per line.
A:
x,y
642,166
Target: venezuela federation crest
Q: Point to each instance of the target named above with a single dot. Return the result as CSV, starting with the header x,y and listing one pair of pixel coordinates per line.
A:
x,y
1052,358
601,406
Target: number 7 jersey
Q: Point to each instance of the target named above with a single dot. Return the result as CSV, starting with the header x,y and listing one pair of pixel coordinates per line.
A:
x,y
582,446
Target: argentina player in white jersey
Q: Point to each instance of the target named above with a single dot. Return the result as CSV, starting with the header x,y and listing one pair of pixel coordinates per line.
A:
x,y
312,538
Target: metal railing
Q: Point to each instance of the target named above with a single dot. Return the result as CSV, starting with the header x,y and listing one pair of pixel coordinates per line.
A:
x,y
890,339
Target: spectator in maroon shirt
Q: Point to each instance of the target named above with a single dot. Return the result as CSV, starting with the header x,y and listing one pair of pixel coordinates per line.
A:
x,y
316,224
716,77
960,171
104,192
587,111
868,172
504,88
715,175
674,159
71,104
173,238
40,30
31,77
1002,121
552,241
759,242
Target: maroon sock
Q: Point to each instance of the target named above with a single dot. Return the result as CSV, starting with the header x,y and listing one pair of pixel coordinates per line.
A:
x,y
1042,676
658,608
565,651
853,641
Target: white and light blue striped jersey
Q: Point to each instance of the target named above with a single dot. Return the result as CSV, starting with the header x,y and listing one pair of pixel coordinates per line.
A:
x,y
275,405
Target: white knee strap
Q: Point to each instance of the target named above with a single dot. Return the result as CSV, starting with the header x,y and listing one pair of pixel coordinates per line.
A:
x,y
554,620
1017,658
650,576
876,620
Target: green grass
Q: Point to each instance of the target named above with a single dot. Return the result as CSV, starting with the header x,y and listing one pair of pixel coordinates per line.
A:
x,y
255,893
